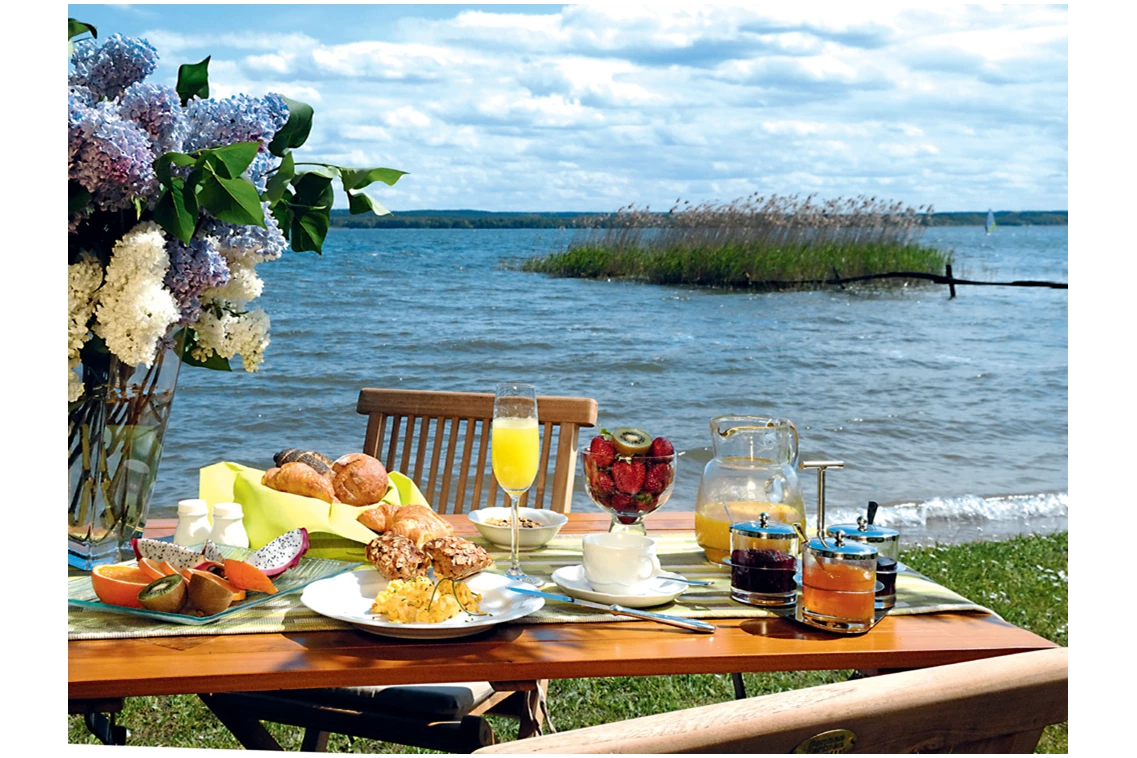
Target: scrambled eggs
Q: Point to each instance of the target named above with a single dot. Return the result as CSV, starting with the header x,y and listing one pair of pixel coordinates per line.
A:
x,y
421,601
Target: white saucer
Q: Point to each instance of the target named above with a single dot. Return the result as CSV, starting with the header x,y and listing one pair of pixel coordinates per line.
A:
x,y
661,590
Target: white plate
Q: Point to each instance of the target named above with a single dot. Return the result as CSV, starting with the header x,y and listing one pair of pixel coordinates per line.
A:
x,y
528,538
662,590
348,597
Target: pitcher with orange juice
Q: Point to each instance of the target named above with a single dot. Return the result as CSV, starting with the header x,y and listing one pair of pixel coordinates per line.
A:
x,y
754,471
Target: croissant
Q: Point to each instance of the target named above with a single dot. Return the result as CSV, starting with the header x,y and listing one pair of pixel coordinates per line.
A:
x,y
299,479
418,523
359,479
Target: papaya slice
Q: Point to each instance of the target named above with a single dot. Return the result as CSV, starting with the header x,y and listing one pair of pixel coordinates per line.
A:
x,y
248,577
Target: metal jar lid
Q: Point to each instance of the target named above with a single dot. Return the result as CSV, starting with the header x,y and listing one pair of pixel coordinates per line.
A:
x,y
863,531
838,548
765,529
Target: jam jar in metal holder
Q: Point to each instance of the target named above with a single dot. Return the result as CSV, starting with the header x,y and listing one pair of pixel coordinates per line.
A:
x,y
763,563
839,584
887,544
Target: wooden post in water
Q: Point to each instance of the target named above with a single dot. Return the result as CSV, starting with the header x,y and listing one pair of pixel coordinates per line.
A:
x,y
951,282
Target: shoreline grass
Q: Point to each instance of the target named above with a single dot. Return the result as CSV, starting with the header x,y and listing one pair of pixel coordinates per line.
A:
x,y
762,243
1023,579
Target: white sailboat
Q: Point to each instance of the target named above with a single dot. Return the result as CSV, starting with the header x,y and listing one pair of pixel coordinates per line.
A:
x,y
990,220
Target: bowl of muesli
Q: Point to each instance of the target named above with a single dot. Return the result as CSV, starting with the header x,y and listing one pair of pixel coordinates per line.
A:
x,y
536,527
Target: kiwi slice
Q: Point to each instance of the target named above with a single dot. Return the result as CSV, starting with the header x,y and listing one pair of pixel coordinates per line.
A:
x,y
166,594
630,441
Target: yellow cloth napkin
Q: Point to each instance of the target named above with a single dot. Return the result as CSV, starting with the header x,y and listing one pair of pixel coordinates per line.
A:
x,y
333,531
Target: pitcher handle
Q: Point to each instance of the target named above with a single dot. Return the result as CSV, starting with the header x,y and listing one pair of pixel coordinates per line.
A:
x,y
797,445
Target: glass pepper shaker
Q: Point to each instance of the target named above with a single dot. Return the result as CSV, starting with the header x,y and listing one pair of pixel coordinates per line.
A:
x,y
887,544
763,563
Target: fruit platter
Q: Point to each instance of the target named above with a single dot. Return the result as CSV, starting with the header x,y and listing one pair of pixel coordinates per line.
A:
x,y
200,584
629,473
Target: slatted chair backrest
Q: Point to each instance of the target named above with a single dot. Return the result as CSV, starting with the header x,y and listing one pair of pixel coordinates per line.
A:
x,y
996,705
441,440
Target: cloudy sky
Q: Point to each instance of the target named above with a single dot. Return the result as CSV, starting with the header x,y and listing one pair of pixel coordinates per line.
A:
x,y
591,107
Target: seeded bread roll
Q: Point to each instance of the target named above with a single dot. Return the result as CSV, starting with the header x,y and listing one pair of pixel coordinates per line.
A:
x,y
396,557
456,558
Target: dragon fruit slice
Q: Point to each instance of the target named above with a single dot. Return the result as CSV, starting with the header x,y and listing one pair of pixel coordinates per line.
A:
x,y
282,553
179,557
211,552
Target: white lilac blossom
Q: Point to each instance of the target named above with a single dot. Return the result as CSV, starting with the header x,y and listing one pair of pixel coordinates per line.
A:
x,y
108,68
134,311
83,278
229,334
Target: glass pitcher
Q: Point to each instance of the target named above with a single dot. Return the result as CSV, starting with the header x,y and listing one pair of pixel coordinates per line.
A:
x,y
753,472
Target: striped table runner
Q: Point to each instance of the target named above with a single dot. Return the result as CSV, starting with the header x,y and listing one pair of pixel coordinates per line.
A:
x,y
678,553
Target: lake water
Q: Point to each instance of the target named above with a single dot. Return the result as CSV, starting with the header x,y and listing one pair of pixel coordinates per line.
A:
x,y
951,413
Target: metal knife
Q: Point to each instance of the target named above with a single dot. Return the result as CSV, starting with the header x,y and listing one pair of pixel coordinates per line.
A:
x,y
694,625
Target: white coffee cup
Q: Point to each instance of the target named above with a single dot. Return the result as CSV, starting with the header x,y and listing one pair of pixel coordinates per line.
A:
x,y
619,563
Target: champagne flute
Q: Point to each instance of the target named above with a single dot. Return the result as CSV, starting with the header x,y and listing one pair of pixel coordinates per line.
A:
x,y
515,450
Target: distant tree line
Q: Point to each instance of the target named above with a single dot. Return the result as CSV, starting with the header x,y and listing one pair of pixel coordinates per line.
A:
x,y
470,219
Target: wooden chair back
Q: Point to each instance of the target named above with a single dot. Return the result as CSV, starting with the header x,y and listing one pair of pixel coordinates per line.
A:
x,y
996,705
441,441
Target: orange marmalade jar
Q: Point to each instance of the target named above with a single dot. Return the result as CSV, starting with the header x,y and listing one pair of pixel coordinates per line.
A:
x,y
838,584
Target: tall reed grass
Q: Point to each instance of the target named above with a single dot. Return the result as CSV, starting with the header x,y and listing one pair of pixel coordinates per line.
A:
x,y
756,242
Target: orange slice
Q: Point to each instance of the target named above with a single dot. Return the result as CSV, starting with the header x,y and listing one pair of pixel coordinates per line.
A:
x,y
150,568
248,577
119,585
168,569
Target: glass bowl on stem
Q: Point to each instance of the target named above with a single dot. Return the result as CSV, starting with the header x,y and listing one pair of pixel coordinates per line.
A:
x,y
619,490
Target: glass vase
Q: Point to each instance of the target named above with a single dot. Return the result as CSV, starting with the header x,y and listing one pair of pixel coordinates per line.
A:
x,y
114,444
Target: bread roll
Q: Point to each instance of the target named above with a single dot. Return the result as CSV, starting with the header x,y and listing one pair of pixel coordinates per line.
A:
x,y
456,558
359,479
397,557
417,523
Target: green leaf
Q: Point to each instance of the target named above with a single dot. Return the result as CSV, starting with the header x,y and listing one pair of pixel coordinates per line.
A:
x,y
139,206
75,28
185,341
280,178
360,202
295,132
282,212
176,211
313,191
235,158
325,170
77,197
164,161
193,80
358,178
309,228
234,201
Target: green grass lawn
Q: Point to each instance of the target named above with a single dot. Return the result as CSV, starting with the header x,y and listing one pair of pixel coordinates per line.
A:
x,y
1024,580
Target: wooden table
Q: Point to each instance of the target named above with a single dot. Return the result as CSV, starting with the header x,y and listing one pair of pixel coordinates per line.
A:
x,y
105,670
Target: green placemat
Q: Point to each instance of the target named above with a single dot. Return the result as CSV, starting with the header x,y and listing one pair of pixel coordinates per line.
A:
x,y
678,553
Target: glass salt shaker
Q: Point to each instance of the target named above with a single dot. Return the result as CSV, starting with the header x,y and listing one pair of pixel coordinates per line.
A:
x,y
228,526
193,522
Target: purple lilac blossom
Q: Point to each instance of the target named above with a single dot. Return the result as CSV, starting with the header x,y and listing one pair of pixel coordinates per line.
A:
x,y
158,110
267,244
213,123
110,67
113,158
194,269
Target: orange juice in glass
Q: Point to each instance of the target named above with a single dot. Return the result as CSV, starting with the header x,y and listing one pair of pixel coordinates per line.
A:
x,y
515,450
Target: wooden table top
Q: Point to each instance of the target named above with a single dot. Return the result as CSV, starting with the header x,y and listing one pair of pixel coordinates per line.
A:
x,y
244,662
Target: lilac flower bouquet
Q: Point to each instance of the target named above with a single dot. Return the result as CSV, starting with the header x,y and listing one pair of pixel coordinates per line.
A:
x,y
174,200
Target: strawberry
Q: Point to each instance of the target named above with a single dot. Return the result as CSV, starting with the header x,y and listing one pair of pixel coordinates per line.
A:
x,y
645,502
629,476
657,479
621,502
661,446
601,483
602,451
